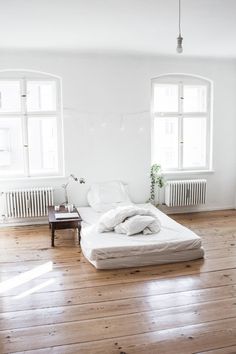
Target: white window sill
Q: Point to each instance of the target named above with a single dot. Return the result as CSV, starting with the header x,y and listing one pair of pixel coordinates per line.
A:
x,y
33,178
187,173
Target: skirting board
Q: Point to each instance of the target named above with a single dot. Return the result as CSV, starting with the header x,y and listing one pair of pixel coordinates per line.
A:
x,y
193,209
24,222
163,208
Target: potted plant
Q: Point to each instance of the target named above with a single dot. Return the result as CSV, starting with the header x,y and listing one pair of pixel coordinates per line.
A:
x,y
157,180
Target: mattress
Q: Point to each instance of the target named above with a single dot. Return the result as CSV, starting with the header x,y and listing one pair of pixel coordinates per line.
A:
x,y
147,259
111,250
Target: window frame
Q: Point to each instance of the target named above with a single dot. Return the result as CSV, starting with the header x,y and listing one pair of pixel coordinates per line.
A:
x,y
181,80
24,76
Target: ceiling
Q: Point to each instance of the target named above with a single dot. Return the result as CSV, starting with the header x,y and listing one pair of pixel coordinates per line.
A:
x,y
120,26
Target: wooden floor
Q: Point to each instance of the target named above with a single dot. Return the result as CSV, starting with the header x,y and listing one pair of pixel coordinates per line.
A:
x,y
73,308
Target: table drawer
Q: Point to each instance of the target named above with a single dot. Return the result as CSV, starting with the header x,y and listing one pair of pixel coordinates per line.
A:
x,y
66,225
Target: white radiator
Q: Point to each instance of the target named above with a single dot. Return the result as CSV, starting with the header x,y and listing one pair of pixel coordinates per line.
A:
x,y
185,192
27,203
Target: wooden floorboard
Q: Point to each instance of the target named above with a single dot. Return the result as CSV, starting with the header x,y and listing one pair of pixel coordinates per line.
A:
x,y
180,308
225,350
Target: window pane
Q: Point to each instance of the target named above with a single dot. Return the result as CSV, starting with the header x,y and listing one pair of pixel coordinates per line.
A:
x,y
41,96
194,147
166,142
195,98
11,147
10,97
165,98
42,145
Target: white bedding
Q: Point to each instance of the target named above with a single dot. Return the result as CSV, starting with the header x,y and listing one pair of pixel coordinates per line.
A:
x,y
89,215
172,239
129,220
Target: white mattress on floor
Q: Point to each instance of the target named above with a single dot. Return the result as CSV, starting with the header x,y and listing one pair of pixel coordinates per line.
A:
x,y
147,259
172,238
89,215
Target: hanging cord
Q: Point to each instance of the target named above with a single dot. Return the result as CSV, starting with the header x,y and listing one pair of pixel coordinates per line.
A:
x,y
180,18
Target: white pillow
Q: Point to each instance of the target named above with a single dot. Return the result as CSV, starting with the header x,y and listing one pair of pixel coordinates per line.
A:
x,y
107,195
137,224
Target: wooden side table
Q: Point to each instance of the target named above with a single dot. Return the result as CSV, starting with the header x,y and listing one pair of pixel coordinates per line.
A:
x,y
58,224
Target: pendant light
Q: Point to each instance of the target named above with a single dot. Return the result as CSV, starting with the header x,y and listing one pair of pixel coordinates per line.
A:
x,y
179,48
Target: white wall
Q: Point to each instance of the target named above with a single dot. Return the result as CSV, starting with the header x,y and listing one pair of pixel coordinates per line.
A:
x,y
99,90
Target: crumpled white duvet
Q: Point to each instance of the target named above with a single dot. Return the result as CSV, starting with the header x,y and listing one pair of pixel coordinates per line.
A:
x,y
129,220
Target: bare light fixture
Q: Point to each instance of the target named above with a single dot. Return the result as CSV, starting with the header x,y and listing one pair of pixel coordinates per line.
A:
x,y
179,48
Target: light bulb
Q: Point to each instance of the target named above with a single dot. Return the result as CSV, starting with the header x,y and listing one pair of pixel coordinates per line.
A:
x,y
179,48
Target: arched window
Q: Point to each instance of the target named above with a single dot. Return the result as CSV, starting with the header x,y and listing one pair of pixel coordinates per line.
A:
x,y
30,124
181,129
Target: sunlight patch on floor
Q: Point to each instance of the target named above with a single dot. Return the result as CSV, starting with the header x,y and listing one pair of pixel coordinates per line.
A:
x,y
25,277
35,288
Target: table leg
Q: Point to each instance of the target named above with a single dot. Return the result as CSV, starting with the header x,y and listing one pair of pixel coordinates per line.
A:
x,y
52,235
79,229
